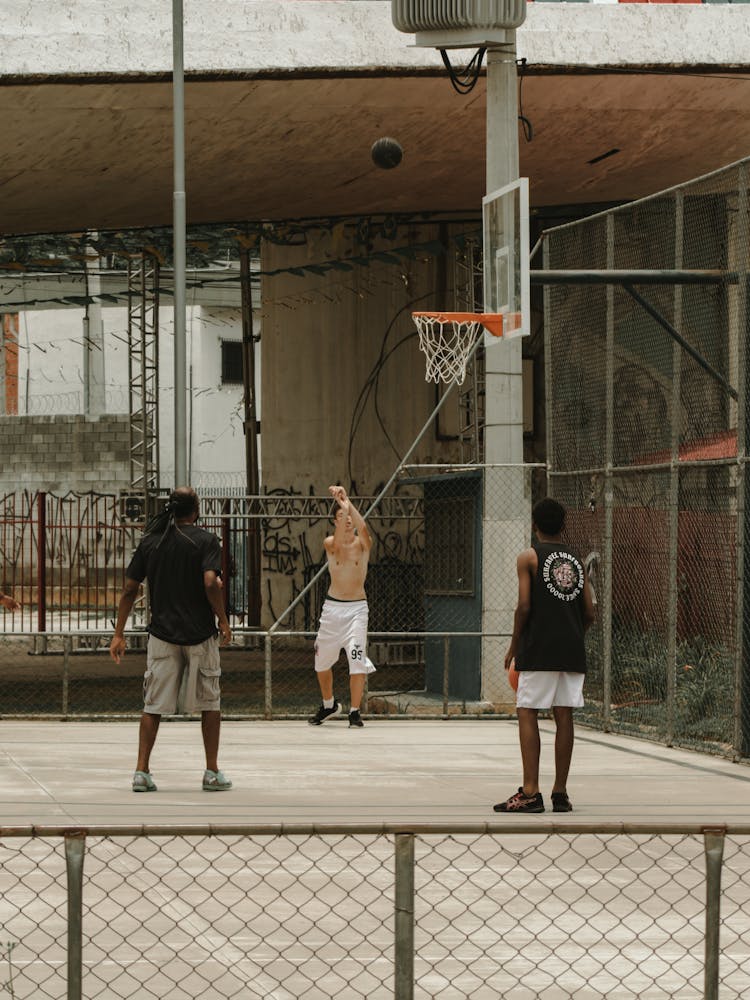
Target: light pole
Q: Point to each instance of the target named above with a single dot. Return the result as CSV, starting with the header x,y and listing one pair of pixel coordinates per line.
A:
x,y
179,217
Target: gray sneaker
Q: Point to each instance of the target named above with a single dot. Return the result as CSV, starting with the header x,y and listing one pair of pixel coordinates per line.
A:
x,y
143,782
215,781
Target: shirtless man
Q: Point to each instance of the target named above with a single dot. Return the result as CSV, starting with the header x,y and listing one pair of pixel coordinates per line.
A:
x,y
343,622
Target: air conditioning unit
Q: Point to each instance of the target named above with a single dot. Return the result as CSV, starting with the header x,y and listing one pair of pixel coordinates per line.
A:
x,y
132,507
458,23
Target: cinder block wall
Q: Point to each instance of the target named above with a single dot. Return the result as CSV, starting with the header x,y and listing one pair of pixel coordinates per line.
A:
x,y
62,453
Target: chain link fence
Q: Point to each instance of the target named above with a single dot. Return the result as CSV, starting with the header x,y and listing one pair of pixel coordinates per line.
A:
x,y
432,577
646,349
646,328
375,912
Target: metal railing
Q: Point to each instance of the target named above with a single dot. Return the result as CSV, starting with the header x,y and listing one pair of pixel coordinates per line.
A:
x,y
266,675
376,910
665,658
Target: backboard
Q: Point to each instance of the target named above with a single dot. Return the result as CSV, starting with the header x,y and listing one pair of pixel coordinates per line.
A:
x,y
505,223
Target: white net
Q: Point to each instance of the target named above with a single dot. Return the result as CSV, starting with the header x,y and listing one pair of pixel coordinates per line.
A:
x,y
446,343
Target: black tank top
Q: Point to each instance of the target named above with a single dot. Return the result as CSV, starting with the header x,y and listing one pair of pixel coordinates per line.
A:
x,y
552,638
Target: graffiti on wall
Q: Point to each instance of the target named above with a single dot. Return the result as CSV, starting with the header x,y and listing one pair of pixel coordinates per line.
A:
x,y
293,560
88,539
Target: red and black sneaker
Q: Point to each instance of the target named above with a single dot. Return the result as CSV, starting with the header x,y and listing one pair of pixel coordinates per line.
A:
x,y
521,803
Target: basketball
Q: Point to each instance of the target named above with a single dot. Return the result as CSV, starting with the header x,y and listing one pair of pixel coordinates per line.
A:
x,y
386,153
513,676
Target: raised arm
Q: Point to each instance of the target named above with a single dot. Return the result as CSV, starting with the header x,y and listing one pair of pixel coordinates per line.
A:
x,y
339,495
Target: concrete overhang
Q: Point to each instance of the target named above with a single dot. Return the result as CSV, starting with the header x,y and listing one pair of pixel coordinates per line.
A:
x,y
284,100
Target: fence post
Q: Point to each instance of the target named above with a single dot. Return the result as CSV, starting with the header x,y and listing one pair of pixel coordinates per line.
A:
x,y
67,646
608,537
713,845
741,739
403,986
268,708
673,515
41,562
446,675
226,542
75,846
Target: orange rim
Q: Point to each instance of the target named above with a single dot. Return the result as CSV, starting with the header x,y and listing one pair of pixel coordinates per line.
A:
x,y
490,321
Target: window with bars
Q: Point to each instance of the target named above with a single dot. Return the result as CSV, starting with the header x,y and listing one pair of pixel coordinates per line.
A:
x,y
231,362
449,552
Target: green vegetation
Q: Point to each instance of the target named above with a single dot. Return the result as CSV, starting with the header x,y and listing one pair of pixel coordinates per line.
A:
x,y
6,955
704,687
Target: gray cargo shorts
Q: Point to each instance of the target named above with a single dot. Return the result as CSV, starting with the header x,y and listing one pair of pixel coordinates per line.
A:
x,y
168,665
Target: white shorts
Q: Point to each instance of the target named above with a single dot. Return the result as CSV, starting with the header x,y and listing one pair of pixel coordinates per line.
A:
x,y
343,625
549,689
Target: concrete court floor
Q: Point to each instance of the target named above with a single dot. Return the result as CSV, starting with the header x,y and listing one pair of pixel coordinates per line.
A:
x,y
70,773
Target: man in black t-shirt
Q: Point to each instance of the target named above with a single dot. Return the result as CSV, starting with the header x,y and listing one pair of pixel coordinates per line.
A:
x,y
182,564
554,609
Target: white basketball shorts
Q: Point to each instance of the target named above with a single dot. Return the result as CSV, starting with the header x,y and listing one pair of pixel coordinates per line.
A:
x,y
343,625
549,689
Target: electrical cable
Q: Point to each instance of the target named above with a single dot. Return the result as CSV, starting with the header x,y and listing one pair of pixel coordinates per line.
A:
x,y
463,81
372,377
528,128
370,383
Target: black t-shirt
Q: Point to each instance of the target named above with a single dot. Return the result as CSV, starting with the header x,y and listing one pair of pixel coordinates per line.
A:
x,y
174,565
552,638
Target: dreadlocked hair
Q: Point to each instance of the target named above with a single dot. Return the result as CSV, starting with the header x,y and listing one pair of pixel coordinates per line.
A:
x,y
179,505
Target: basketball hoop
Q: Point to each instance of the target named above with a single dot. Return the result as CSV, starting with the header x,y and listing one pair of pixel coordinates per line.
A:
x,y
447,339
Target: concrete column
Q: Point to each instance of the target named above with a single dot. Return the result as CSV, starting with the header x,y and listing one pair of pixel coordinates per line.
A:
x,y
507,514
3,373
94,389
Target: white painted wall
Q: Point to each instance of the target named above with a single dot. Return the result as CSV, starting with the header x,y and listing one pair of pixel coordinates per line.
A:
x,y
106,37
50,361
51,382
215,411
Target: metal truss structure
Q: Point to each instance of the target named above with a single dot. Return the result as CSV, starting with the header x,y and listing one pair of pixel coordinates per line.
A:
x,y
143,370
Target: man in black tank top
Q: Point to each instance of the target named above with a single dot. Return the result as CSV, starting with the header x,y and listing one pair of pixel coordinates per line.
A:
x,y
555,607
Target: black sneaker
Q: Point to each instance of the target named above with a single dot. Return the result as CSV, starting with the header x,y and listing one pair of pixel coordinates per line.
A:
x,y
561,803
355,719
521,803
324,714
